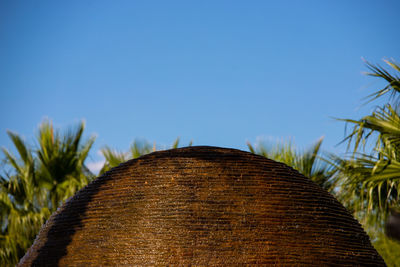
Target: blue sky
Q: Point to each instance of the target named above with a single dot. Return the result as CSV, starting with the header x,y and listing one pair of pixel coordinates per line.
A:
x,y
216,72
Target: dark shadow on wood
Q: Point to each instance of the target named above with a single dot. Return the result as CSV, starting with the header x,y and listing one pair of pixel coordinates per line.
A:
x,y
63,225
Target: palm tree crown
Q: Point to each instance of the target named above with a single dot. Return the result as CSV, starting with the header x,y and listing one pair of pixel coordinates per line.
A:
x,y
36,182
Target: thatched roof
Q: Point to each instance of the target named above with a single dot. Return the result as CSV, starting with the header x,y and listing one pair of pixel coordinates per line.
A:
x,y
202,206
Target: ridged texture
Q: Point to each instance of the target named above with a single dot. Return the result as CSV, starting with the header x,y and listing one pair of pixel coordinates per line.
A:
x,y
202,206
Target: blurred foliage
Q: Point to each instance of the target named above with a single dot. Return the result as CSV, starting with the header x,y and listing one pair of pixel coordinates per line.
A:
x,y
308,162
138,148
34,183
388,248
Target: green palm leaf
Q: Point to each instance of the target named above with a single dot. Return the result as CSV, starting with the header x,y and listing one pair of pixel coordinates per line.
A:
x,y
36,182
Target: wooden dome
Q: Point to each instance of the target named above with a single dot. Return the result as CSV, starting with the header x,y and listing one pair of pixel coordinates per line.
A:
x,y
202,206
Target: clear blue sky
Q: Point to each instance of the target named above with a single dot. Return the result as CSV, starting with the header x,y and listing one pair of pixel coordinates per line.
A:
x,y
216,72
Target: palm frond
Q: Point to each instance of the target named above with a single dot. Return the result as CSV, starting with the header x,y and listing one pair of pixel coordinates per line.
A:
x,y
393,80
140,148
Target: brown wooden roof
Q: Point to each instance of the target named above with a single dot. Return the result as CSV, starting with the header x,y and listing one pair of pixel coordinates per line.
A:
x,y
202,206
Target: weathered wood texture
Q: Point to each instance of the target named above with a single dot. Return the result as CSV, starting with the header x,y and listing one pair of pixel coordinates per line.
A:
x,y
202,206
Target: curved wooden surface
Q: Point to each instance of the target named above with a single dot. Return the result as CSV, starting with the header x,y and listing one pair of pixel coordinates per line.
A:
x,y
202,206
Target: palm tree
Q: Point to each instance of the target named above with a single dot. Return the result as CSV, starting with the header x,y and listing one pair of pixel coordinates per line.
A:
x,y
61,158
374,175
22,203
306,162
35,183
367,179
